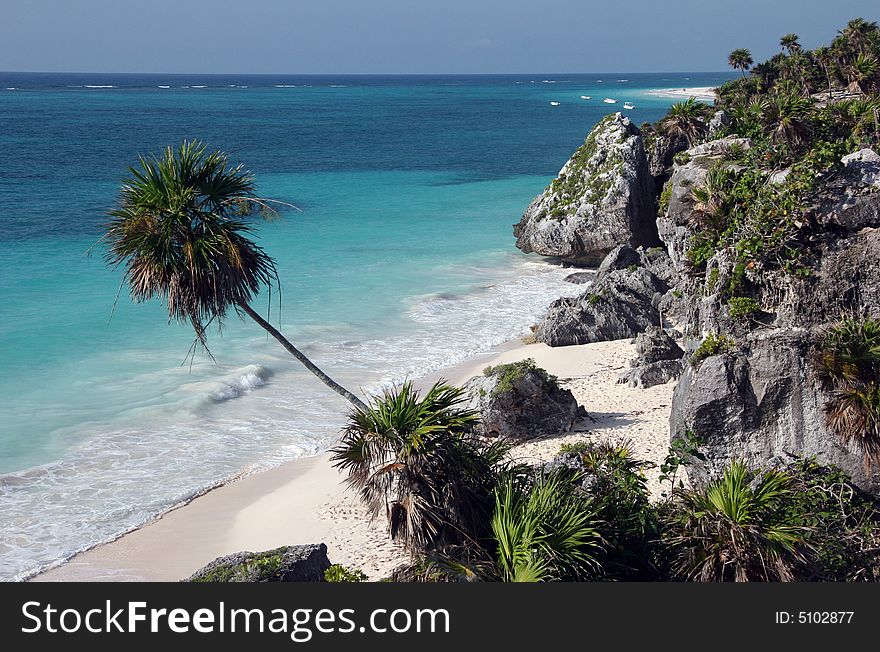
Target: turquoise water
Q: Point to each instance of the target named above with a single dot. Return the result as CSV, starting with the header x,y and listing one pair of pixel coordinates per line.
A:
x,y
400,262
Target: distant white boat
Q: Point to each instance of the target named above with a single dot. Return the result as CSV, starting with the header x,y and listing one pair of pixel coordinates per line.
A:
x,y
586,97
554,103
629,105
608,100
623,80
164,87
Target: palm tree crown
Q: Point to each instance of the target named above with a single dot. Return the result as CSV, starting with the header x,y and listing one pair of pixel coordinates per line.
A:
x,y
177,237
790,42
180,234
740,59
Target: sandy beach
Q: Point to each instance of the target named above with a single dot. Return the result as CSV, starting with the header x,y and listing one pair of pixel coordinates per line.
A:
x,y
306,501
699,92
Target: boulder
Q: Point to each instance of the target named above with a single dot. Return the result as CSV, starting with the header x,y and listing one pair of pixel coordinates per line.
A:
x,y
862,168
717,123
580,278
520,401
658,360
620,304
603,197
761,401
305,563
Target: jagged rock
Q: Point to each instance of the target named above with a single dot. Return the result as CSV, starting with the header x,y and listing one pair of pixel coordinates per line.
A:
x,y
654,373
520,401
661,150
620,304
718,121
621,257
673,226
603,197
761,401
571,462
862,168
305,563
580,278
658,360
655,345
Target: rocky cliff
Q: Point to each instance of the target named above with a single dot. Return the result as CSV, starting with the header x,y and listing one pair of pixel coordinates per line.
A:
x,y
753,289
602,198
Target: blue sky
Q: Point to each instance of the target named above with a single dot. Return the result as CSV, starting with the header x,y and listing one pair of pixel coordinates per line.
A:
x,y
405,36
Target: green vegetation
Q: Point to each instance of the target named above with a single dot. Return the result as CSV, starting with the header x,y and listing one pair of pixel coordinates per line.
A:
x,y
848,360
593,298
266,566
339,573
180,236
802,111
508,374
584,177
414,458
743,308
712,345
737,529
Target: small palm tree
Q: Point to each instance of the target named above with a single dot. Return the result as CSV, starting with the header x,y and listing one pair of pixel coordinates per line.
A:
x,y
825,57
179,232
785,117
740,59
790,43
848,361
685,120
862,73
736,529
415,458
545,534
858,33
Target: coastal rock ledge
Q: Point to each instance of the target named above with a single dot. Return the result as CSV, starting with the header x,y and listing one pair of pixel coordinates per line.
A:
x,y
602,198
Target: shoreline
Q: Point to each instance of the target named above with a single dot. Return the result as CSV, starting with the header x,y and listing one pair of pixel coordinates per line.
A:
x,y
698,92
305,500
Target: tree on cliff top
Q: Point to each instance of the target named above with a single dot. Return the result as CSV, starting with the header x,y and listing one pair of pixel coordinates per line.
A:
x,y
181,236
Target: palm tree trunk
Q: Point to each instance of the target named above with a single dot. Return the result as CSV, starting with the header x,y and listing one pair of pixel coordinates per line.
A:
x,y
299,355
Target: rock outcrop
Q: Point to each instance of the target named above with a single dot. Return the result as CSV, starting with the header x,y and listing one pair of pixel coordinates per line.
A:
x,y
658,360
305,563
520,401
759,402
620,303
603,197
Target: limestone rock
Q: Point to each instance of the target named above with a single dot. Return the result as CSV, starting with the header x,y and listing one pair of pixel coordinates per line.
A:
x,y
603,197
305,563
760,402
619,304
520,401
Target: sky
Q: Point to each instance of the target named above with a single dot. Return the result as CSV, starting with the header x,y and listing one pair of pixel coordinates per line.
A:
x,y
406,36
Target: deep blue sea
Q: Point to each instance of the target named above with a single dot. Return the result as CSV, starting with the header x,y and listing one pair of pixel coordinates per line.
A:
x,y
400,262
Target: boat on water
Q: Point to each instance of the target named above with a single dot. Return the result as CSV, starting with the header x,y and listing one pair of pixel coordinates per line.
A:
x,y
629,105
554,103
586,97
608,100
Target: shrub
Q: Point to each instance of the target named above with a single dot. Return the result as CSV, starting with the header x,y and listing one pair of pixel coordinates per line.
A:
x,y
843,522
509,373
712,345
593,299
681,158
737,529
848,361
415,459
339,573
743,308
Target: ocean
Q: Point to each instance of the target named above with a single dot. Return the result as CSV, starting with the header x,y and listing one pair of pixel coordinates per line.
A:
x,y
400,262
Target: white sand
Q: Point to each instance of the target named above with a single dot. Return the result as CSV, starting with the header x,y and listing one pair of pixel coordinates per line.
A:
x,y
305,501
699,92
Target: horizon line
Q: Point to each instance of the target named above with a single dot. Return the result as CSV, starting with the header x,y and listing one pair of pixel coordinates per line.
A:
x,y
368,74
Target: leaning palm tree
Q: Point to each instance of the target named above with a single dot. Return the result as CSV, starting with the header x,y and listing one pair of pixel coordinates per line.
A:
x,y
685,120
740,59
736,529
824,56
416,459
790,43
181,236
